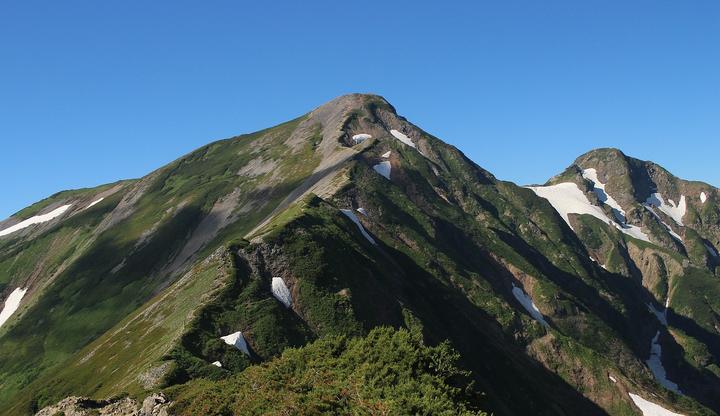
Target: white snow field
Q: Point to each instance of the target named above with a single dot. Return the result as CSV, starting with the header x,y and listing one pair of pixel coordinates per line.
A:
x,y
649,408
618,212
362,211
350,214
11,304
703,197
633,231
667,227
403,138
674,211
384,168
237,340
359,138
656,366
386,154
603,196
281,291
217,364
672,233
613,379
97,201
528,304
567,198
36,220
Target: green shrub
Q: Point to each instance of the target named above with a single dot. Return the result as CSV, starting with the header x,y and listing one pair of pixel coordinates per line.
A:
x,y
388,372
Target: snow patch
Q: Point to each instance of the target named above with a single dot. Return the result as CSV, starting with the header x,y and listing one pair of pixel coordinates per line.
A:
x,y
384,168
237,340
403,138
350,214
672,210
633,231
703,197
598,263
667,227
386,154
362,211
619,213
567,199
11,304
656,366
36,220
599,189
613,379
673,233
94,202
528,304
217,364
281,291
649,408
660,315
359,138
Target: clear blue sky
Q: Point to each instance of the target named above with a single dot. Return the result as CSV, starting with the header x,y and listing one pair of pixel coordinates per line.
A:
x,y
95,91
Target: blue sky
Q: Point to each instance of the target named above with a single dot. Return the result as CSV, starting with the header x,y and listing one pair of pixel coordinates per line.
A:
x,y
92,92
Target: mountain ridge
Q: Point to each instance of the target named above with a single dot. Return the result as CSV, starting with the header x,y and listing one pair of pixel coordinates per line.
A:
x,y
368,221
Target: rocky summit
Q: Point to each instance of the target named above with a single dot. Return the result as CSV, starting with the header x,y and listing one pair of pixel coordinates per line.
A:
x,y
348,262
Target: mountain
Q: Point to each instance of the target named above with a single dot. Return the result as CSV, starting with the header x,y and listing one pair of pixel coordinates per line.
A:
x,y
350,233
664,233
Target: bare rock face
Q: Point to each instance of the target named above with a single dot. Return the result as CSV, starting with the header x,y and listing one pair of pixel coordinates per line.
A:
x,y
154,405
83,406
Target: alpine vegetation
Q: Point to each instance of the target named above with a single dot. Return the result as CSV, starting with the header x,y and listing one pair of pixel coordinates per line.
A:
x,y
326,266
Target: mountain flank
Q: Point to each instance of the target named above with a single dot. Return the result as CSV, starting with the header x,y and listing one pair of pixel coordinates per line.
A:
x,y
349,262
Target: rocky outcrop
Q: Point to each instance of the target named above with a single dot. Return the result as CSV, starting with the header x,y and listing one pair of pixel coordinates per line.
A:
x,y
154,405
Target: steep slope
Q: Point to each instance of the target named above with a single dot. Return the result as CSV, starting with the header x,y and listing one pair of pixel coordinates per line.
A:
x,y
342,220
662,232
101,263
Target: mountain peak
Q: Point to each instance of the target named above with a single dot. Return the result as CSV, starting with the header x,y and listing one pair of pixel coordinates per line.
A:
x,y
603,154
340,119
354,101
351,217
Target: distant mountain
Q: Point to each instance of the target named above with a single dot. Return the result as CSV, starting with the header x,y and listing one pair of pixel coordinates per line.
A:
x,y
597,293
652,227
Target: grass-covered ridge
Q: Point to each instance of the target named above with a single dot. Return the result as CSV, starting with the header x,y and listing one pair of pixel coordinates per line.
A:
x,y
450,243
110,271
387,372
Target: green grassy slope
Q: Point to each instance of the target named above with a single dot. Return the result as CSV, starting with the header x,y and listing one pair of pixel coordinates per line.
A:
x,y
127,359
111,271
452,243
